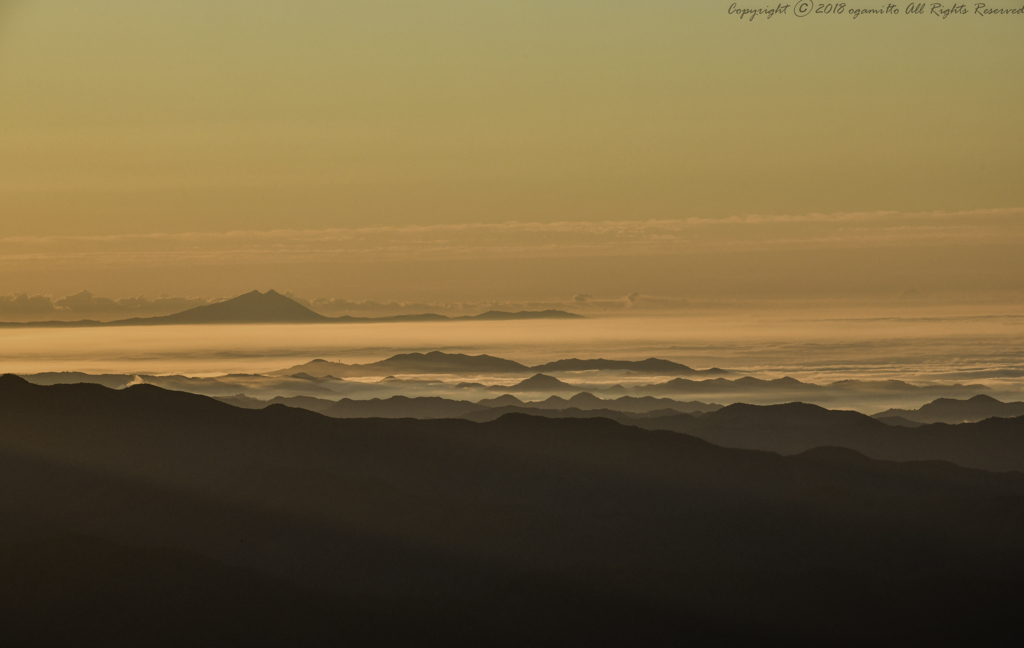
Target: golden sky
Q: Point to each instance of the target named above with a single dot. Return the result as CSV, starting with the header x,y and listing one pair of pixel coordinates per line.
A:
x,y
521,150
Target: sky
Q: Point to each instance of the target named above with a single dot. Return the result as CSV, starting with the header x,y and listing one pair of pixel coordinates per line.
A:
x,y
530,150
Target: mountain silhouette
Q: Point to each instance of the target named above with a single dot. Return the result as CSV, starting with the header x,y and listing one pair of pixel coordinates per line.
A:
x,y
434,362
742,385
439,362
587,401
655,366
521,315
313,404
898,421
426,407
114,381
536,383
272,307
762,391
455,363
430,407
535,531
791,428
951,410
490,414
251,308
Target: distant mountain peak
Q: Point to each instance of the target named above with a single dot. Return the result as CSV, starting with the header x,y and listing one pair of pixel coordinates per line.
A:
x,y
441,362
252,307
983,398
537,383
655,366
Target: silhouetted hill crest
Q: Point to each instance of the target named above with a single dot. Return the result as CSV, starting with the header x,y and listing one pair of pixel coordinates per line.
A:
x,y
537,383
272,307
521,315
440,361
432,362
424,520
789,414
12,381
835,454
952,410
656,366
253,307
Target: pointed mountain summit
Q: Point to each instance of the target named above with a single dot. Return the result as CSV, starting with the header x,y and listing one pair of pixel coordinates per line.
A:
x,y
254,307
537,383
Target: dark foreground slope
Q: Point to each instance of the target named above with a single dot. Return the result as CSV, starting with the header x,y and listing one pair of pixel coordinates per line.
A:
x,y
993,444
951,410
521,531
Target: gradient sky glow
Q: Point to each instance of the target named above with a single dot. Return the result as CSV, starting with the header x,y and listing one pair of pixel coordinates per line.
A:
x,y
121,118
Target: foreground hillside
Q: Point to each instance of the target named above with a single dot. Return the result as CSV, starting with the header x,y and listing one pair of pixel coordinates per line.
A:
x,y
143,516
993,444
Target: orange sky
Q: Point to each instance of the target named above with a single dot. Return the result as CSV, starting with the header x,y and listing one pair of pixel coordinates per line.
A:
x,y
379,150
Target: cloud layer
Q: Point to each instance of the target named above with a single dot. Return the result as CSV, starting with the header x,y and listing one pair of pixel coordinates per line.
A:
x,y
524,240
752,255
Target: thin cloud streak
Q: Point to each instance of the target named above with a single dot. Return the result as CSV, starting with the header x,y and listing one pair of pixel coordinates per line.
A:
x,y
86,305
627,227
520,240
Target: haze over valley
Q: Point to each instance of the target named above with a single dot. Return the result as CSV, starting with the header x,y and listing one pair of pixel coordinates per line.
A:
x,y
789,356
516,324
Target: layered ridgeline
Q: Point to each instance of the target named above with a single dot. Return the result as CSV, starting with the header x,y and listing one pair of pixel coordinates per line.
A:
x,y
459,376
272,307
788,429
439,362
951,410
592,375
280,525
584,404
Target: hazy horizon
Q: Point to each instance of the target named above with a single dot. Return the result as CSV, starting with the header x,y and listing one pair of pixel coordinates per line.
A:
x,y
465,153
909,303
927,350
791,412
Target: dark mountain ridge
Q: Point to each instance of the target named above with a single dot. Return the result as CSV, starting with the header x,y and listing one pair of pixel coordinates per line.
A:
x,y
951,410
439,362
536,383
272,307
494,413
530,530
586,401
993,444
433,362
114,381
424,407
655,366
749,385
428,407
